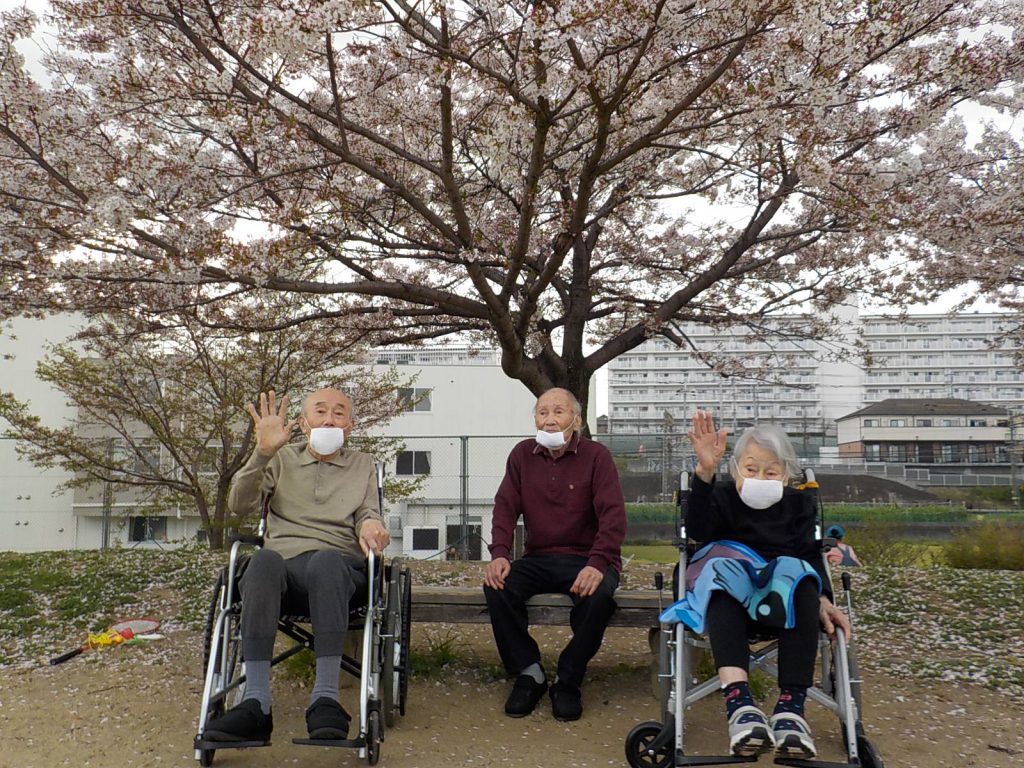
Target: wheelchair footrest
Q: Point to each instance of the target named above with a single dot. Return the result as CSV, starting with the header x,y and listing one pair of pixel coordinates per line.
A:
x,y
199,743
350,743
682,759
798,763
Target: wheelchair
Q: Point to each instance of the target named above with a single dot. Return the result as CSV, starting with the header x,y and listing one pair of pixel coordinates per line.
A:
x,y
384,618
655,744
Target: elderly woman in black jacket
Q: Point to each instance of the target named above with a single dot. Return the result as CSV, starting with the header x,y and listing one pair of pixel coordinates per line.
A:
x,y
759,508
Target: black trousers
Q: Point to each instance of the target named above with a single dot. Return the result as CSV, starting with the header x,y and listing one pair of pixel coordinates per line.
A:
x,y
541,574
729,626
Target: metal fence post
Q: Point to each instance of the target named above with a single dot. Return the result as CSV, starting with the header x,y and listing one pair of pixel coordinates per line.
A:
x,y
464,499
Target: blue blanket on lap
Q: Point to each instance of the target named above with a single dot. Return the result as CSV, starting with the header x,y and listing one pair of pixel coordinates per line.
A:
x,y
764,588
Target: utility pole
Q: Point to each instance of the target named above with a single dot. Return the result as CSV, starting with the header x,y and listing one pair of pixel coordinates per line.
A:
x,y
1014,487
666,456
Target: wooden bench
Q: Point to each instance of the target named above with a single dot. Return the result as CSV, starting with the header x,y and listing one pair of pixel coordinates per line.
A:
x,y
465,605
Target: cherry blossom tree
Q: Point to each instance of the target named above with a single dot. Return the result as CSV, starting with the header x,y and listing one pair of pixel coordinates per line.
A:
x,y
561,179
161,419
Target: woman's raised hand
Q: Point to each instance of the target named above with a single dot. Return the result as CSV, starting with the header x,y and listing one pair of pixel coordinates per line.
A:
x,y
708,445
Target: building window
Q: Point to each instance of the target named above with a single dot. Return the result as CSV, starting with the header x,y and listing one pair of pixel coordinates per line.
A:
x,y
413,463
924,422
414,398
872,452
897,453
147,528
871,422
976,423
897,422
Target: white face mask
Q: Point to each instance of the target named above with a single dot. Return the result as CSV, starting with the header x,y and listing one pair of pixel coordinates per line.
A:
x,y
326,440
552,440
760,494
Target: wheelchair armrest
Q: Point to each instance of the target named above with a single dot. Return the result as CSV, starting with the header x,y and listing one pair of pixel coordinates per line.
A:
x,y
246,538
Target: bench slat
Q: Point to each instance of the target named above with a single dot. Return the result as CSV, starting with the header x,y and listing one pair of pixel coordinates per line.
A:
x,y
466,605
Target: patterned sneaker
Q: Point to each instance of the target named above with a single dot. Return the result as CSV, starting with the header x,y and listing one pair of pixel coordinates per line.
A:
x,y
749,734
792,736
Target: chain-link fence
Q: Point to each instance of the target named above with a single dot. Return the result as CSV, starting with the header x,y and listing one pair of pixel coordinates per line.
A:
x,y
449,516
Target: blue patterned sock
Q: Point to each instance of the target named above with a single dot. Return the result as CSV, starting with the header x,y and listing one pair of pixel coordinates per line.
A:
x,y
736,695
791,699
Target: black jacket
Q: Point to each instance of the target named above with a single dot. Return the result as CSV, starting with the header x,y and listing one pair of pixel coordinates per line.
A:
x,y
715,512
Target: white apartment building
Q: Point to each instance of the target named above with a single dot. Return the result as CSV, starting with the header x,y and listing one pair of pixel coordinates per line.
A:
x,y
942,356
466,417
657,385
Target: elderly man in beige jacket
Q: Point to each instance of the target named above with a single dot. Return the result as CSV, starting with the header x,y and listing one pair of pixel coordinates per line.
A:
x,y
324,517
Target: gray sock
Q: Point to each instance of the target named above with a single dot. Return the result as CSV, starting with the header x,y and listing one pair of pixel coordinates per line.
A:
x,y
328,669
535,671
257,683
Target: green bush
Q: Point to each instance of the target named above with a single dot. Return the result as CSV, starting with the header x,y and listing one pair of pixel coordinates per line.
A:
x,y
925,513
980,497
990,545
651,513
877,543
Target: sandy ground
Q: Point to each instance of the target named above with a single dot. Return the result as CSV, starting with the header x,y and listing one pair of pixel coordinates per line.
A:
x,y
138,707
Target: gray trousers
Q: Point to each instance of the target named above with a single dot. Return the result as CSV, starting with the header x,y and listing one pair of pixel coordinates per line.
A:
x,y
321,584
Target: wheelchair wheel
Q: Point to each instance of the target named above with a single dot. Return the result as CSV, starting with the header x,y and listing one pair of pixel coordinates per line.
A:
x,y
206,757
374,736
211,616
405,639
638,747
226,658
869,757
392,647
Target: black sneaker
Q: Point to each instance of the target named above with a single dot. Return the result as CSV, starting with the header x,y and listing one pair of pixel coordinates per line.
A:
x,y
566,702
245,722
526,692
327,719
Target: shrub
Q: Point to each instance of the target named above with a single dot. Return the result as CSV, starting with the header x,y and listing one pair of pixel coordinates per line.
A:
x,y
651,513
990,545
877,543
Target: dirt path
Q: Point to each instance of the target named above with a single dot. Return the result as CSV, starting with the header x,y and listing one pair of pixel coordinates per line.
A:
x,y
138,707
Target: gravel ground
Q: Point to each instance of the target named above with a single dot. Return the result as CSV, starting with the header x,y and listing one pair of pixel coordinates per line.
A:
x,y
137,706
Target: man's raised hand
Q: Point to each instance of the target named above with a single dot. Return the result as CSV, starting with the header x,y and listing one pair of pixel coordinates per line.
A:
x,y
270,423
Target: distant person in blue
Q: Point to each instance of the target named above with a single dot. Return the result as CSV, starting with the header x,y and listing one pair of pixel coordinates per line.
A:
x,y
759,510
842,553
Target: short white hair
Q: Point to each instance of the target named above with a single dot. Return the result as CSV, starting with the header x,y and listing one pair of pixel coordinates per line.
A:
x,y
577,409
771,438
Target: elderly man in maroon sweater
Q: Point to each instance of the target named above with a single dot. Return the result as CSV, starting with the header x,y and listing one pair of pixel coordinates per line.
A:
x,y
566,489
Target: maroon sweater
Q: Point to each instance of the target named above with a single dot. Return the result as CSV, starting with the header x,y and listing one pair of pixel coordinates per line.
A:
x,y
570,505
